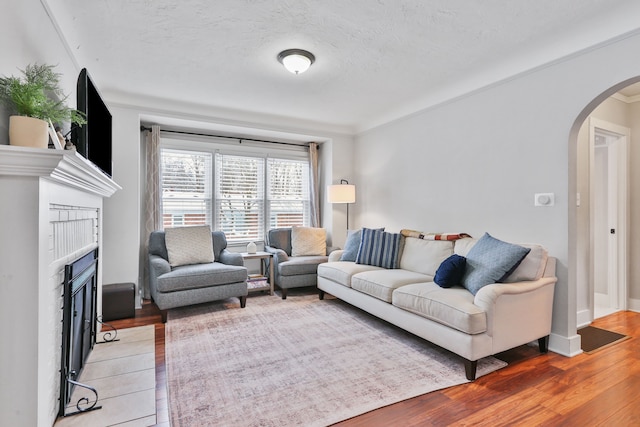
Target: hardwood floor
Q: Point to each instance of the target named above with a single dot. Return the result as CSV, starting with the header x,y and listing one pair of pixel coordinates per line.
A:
x,y
601,389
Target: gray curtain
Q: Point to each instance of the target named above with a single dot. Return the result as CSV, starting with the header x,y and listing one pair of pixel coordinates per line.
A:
x,y
314,195
153,200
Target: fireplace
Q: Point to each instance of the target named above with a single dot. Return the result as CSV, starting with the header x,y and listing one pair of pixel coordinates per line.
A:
x,y
78,326
53,217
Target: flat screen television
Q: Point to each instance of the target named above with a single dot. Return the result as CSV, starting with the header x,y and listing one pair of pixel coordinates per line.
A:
x,y
93,139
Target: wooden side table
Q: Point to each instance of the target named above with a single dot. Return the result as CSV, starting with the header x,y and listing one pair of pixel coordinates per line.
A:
x,y
263,257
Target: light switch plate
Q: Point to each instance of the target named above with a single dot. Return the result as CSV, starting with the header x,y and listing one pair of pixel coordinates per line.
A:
x,y
544,199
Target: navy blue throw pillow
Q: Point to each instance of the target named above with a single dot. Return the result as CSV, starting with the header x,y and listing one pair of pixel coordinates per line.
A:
x,y
451,271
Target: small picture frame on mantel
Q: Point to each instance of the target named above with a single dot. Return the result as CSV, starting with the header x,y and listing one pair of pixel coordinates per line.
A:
x,y
53,135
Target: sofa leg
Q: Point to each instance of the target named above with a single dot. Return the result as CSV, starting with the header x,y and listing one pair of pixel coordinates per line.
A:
x,y
470,367
163,314
543,344
320,294
243,301
284,293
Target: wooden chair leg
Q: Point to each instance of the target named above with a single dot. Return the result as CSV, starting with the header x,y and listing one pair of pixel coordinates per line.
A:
x,y
543,344
470,367
321,294
243,301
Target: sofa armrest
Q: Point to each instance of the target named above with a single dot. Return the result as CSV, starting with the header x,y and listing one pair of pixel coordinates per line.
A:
x,y
231,258
518,312
278,254
335,255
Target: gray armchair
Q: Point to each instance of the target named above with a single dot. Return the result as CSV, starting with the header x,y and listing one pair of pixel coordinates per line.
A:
x,y
226,277
290,271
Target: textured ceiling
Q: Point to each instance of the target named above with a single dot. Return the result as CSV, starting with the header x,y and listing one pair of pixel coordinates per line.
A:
x,y
375,60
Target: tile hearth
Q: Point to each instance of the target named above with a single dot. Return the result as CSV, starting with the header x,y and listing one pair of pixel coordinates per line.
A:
x,y
123,373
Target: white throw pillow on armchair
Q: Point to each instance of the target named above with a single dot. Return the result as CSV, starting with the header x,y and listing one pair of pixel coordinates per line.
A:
x,y
308,241
189,245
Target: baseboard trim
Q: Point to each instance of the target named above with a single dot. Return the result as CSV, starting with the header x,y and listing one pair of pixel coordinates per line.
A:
x,y
583,318
566,346
633,305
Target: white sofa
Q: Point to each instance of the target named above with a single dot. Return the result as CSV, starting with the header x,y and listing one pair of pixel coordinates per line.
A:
x,y
499,317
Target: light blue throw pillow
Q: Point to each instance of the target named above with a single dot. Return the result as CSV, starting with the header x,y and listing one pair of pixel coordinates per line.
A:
x,y
352,245
491,261
379,248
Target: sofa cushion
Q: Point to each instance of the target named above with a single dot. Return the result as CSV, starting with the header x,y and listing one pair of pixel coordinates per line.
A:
x,y
200,276
424,256
451,271
491,261
342,271
381,283
463,246
379,248
189,245
532,266
301,265
452,307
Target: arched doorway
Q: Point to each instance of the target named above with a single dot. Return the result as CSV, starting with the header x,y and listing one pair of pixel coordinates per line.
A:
x,y
598,141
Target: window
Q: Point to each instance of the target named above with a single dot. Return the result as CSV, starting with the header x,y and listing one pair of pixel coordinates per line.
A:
x,y
186,188
288,193
242,195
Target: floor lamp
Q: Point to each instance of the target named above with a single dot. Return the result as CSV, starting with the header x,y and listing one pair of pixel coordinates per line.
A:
x,y
342,193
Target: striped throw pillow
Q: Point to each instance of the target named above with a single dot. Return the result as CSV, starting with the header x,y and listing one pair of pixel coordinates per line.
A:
x,y
379,248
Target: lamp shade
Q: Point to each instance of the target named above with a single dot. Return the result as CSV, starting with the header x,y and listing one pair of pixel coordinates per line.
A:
x,y
341,193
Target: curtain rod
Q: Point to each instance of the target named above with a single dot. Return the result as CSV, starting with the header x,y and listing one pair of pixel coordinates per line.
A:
x,y
143,128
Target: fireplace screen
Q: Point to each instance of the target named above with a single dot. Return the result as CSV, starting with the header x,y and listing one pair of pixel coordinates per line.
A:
x,y
78,326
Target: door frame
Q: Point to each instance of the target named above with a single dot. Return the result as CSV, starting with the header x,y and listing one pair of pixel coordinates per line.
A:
x,y
617,253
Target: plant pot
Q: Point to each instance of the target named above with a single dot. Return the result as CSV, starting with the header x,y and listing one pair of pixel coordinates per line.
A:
x,y
28,132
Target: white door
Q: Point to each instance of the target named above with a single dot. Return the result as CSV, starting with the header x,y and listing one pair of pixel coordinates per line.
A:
x,y
609,204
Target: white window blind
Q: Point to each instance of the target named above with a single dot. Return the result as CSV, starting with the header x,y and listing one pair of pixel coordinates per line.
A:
x,y
287,192
186,187
240,197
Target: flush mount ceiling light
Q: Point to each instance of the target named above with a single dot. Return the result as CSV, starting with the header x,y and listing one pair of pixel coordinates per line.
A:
x,y
296,60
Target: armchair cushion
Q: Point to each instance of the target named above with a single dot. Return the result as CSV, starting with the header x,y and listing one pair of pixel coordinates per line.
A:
x,y
301,265
189,245
200,276
308,241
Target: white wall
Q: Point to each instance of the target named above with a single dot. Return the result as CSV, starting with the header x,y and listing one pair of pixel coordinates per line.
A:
x,y
473,164
27,36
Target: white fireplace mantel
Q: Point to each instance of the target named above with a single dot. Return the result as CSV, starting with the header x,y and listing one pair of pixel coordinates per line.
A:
x,y
51,204
62,166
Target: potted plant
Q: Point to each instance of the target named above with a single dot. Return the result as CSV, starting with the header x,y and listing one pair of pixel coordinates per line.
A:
x,y
34,99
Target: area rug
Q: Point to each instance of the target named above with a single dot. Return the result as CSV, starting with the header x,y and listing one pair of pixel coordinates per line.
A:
x,y
295,362
594,339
